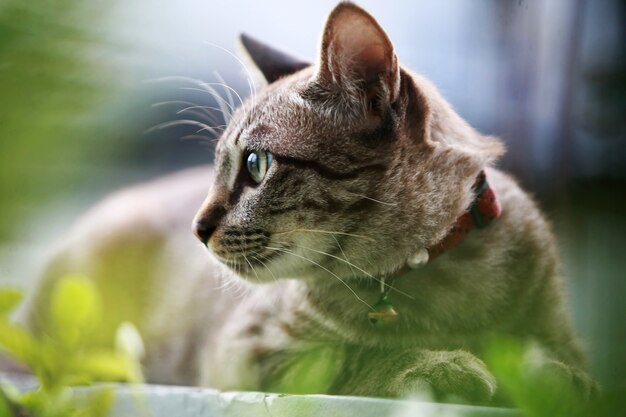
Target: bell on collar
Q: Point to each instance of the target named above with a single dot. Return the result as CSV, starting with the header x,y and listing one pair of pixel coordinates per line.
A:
x,y
419,259
383,315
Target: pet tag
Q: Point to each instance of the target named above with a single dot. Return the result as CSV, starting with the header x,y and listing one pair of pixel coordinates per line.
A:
x,y
383,315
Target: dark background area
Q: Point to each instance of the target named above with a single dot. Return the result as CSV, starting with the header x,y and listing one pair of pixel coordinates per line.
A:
x,y
78,101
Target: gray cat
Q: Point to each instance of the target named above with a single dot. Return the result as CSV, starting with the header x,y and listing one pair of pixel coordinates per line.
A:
x,y
385,241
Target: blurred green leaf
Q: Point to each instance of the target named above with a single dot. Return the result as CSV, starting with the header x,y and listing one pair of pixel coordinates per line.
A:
x,y
533,385
5,406
76,308
9,299
18,343
60,358
310,371
43,403
104,366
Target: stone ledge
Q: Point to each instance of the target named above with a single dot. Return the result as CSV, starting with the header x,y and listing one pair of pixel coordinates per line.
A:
x,y
169,401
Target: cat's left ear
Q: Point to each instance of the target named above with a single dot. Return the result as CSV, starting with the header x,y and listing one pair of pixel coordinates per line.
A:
x,y
356,51
270,62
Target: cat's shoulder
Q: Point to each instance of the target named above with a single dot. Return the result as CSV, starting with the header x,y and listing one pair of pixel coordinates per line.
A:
x,y
522,215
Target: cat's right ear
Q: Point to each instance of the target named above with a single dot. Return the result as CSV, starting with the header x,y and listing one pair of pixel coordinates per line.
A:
x,y
356,53
270,63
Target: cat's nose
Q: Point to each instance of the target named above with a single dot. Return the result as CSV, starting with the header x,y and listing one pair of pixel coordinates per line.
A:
x,y
203,231
206,222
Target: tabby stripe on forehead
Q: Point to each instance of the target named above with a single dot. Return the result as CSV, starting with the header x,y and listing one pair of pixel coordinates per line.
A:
x,y
327,172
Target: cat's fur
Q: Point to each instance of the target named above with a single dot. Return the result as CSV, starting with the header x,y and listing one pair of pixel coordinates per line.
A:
x,y
370,165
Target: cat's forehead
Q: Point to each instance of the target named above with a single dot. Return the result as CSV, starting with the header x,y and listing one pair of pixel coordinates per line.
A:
x,y
281,120
292,118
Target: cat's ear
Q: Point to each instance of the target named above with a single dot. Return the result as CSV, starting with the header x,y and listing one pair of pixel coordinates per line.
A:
x,y
355,51
271,63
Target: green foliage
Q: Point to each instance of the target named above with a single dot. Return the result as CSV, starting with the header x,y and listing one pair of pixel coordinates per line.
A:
x,y
9,299
63,358
54,80
534,384
310,371
75,309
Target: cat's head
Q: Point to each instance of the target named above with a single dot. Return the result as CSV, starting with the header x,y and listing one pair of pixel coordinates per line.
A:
x,y
343,168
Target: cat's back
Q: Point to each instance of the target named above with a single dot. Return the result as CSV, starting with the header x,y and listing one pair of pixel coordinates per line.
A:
x,y
163,205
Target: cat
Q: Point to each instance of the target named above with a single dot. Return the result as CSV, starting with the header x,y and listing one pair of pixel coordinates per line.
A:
x,y
346,212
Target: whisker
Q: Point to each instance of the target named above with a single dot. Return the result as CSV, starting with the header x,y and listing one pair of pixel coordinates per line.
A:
x,y
242,289
227,111
169,78
344,256
251,267
202,116
325,269
373,199
205,115
203,88
190,80
168,102
250,264
207,112
222,127
327,232
264,264
228,284
191,105
200,138
225,107
228,88
249,78
380,281
173,123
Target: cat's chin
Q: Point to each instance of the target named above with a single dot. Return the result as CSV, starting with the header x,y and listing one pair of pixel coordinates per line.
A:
x,y
255,279
248,270
259,274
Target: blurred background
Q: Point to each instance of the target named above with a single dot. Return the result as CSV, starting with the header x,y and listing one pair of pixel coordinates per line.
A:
x,y
82,86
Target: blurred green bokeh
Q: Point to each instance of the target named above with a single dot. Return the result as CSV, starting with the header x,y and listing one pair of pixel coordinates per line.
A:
x,y
63,357
54,81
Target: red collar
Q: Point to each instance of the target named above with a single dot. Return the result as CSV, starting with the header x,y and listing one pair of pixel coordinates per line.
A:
x,y
485,208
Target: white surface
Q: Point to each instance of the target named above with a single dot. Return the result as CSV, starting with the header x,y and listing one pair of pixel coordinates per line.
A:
x,y
162,401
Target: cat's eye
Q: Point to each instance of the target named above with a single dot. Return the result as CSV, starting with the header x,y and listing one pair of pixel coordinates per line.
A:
x,y
258,162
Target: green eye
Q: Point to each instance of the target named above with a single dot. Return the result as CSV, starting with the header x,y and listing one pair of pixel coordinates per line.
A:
x,y
258,162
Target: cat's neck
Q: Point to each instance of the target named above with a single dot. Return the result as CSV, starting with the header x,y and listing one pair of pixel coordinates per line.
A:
x,y
348,301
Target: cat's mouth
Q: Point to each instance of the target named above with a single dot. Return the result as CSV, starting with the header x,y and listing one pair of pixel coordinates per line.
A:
x,y
251,258
260,256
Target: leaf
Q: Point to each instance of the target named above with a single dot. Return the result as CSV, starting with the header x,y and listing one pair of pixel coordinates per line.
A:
x,y
534,387
18,343
9,299
76,308
129,341
49,403
310,371
102,365
7,399
5,407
